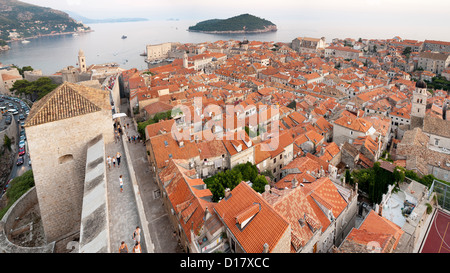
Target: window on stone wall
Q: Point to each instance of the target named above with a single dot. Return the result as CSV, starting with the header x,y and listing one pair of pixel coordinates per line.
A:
x,y
65,158
436,141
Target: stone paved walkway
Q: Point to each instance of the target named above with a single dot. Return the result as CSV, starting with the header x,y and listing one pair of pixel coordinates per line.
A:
x,y
159,225
123,213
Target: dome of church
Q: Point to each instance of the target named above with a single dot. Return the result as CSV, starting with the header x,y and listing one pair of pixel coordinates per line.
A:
x,y
421,84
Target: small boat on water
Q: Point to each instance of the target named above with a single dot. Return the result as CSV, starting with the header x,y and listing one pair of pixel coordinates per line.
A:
x,y
75,34
25,42
124,36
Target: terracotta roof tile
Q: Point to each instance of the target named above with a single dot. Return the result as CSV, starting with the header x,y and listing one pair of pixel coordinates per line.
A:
x,y
267,226
188,206
66,101
382,226
294,206
323,191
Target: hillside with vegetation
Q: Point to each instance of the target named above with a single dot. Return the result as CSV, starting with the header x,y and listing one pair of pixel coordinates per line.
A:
x,y
245,23
19,20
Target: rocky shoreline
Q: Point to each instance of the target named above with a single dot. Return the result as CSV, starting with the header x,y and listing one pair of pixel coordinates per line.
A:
x,y
266,29
7,47
4,48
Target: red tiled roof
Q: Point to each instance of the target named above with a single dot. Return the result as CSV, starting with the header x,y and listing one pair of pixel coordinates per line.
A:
x,y
294,206
188,206
157,107
166,147
323,191
353,123
380,225
267,226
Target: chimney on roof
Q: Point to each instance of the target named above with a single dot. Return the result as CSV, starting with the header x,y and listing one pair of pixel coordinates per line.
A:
x,y
266,248
294,183
227,193
207,213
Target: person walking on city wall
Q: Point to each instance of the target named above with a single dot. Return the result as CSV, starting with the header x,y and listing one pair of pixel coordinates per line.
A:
x,y
123,248
109,162
118,155
114,161
137,248
137,235
121,183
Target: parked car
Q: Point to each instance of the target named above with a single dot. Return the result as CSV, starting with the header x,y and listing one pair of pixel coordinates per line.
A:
x,y
22,143
6,186
8,120
22,151
20,160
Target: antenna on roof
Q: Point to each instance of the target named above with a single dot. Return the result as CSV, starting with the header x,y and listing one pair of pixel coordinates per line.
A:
x,y
245,38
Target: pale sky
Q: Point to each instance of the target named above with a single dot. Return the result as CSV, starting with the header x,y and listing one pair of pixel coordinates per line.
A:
x,y
418,11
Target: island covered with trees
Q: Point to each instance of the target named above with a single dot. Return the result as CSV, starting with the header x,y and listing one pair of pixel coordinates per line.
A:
x,y
19,20
244,23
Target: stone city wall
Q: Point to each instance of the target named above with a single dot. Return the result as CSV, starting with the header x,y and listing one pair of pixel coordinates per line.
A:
x,y
94,231
23,204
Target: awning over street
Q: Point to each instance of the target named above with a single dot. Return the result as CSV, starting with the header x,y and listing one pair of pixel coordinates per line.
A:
x,y
118,115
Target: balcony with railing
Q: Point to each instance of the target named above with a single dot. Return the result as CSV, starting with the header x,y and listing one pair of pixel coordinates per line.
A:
x,y
205,245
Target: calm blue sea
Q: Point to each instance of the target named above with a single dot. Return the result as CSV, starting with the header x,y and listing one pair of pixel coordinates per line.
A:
x,y
50,54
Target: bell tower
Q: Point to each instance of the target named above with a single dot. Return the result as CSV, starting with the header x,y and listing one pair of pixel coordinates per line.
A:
x,y
419,104
81,61
185,60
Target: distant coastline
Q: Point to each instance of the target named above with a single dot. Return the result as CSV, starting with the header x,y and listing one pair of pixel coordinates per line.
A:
x,y
86,20
113,20
48,35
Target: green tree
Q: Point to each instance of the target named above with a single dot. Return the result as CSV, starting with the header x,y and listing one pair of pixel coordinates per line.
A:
x,y
7,142
23,69
374,181
231,178
259,183
216,188
222,180
34,90
348,178
156,118
292,104
248,170
17,188
269,174
399,175
407,51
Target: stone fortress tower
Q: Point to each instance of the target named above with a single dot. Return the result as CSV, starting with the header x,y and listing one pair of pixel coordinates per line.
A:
x,y
419,104
59,128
